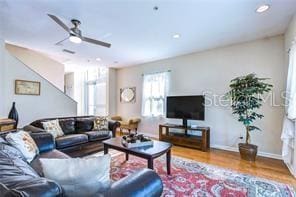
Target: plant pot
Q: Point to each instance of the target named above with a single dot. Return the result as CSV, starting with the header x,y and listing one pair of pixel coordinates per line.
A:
x,y
248,151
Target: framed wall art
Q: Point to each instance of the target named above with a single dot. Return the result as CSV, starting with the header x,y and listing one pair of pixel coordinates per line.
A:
x,y
128,95
24,87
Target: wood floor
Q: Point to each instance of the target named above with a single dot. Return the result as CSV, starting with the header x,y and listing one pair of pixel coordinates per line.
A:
x,y
267,168
263,167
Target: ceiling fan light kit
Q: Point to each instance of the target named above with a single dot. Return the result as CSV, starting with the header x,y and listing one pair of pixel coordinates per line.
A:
x,y
75,34
75,39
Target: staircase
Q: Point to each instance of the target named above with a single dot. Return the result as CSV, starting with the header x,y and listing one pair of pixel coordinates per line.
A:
x,y
51,103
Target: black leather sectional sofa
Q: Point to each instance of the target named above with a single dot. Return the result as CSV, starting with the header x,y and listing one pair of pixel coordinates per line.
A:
x,y
79,138
21,179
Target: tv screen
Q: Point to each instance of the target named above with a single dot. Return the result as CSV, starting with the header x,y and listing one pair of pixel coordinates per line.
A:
x,y
186,107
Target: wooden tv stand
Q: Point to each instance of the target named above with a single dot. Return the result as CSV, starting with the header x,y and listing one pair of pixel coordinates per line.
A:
x,y
186,136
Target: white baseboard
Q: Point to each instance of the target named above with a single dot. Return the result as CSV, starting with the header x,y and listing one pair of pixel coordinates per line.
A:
x,y
291,169
235,149
229,148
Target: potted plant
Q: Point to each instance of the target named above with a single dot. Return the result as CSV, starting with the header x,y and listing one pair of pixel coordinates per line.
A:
x,y
245,101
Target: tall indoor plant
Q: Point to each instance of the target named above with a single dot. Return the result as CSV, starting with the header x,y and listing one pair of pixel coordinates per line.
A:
x,y
245,101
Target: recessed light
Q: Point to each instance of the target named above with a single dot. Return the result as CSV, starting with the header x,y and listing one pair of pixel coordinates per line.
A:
x,y
176,36
262,8
98,59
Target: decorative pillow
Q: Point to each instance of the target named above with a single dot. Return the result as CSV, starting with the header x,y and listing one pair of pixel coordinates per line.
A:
x,y
79,176
6,148
101,123
53,127
22,141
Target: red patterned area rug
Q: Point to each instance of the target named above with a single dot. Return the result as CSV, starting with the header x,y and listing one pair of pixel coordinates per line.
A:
x,y
191,178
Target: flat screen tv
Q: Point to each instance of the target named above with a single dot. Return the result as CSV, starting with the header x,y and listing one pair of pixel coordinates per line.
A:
x,y
186,108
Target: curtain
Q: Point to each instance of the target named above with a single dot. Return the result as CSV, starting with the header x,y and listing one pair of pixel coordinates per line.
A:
x,y
154,94
288,132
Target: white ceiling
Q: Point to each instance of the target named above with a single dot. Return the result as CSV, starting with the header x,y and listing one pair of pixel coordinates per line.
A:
x,y
137,32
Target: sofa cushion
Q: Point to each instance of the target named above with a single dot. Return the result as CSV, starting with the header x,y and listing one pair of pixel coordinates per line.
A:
x,y
70,140
14,169
11,151
67,125
2,140
98,135
84,124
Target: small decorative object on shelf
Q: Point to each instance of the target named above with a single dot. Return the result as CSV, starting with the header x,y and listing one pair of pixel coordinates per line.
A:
x,y
133,141
128,95
7,125
13,114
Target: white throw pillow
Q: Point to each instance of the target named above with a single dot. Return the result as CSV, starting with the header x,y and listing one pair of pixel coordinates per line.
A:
x,y
53,127
79,176
24,143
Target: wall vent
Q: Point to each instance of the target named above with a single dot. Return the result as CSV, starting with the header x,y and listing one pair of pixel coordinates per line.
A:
x,y
68,51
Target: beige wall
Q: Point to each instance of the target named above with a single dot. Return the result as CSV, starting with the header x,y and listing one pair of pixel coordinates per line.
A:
x,y
112,84
2,96
48,68
211,71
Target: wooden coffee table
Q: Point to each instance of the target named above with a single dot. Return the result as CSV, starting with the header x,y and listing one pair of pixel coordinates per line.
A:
x,y
147,152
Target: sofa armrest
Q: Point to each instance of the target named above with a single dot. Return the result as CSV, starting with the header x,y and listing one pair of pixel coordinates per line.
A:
x,y
141,183
113,125
31,128
134,120
40,187
5,192
116,118
44,141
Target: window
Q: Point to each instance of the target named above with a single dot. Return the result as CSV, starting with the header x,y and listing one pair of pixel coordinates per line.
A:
x,y
154,94
96,92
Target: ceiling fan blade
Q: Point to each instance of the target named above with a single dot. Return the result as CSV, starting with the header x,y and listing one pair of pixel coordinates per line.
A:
x,y
59,22
93,41
60,42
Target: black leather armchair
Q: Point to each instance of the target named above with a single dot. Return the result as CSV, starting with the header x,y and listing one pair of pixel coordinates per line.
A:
x,y
113,125
17,178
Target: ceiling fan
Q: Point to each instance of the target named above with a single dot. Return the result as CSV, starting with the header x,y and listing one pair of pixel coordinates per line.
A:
x,y
75,33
